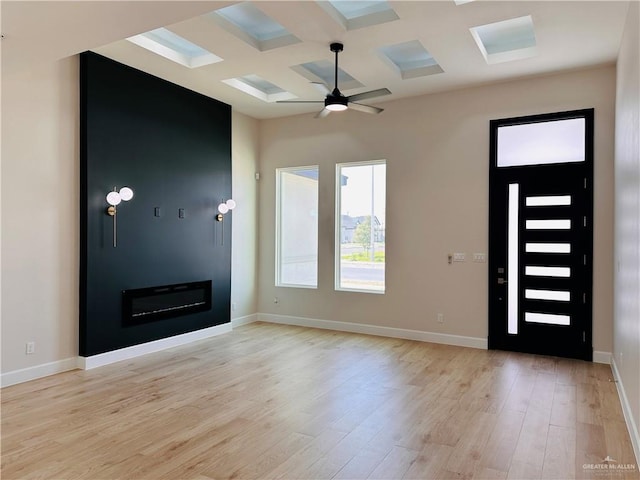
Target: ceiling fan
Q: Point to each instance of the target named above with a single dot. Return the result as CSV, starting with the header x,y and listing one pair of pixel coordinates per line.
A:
x,y
335,101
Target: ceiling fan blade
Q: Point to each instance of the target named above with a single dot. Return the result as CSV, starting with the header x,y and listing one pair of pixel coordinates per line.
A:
x,y
322,88
299,101
323,113
365,108
371,94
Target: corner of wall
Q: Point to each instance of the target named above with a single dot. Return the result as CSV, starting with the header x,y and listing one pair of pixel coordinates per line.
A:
x,y
626,324
244,250
632,424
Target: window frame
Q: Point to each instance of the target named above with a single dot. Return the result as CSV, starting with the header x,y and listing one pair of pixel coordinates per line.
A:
x,y
338,226
278,223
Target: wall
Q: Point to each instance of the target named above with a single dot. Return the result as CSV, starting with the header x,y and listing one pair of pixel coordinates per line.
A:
x,y
173,147
40,198
626,326
40,218
244,248
437,152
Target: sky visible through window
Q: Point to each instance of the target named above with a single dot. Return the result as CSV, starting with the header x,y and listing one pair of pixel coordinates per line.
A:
x,y
356,194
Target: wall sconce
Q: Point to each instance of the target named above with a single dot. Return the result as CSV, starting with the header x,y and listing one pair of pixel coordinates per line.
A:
x,y
113,199
224,207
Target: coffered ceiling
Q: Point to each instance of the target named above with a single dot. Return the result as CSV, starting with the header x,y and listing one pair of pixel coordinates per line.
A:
x,y
410,47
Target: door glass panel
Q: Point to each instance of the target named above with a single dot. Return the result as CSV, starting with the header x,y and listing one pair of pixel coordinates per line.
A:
x,y
512,259
548,225
548,201
549,318
548,271
559,296
557,141
548,247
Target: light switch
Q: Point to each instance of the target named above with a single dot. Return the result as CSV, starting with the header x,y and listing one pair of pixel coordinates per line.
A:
x,y
459,257
480,257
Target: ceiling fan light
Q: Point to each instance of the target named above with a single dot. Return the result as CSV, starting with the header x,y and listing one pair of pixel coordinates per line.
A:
x,y
336,107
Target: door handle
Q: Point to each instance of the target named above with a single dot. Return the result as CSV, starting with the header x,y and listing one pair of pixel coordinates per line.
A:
x,y
501,281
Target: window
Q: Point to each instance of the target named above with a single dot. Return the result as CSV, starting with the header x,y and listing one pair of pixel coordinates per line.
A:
x,y
360,226
297,227
542,143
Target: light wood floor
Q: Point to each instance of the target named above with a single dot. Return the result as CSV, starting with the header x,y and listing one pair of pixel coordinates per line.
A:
x,y
270,401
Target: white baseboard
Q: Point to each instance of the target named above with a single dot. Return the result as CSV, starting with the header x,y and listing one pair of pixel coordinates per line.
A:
x,y
87,363
632,426
39,371
460,341
238,322
602,357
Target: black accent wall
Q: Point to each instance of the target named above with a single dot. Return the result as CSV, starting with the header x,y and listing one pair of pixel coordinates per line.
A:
x,y
172,146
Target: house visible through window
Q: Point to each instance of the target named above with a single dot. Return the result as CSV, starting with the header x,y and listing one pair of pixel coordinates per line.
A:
x,y
297,227
360,226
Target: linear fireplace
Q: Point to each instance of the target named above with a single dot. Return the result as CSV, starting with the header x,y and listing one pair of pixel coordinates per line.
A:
x,y
144,305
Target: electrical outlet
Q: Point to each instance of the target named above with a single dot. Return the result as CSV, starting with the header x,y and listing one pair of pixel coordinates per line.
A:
x,y
440,318
233,306
30,348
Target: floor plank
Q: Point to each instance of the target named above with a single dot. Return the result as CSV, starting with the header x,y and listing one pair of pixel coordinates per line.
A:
x,y
561,448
